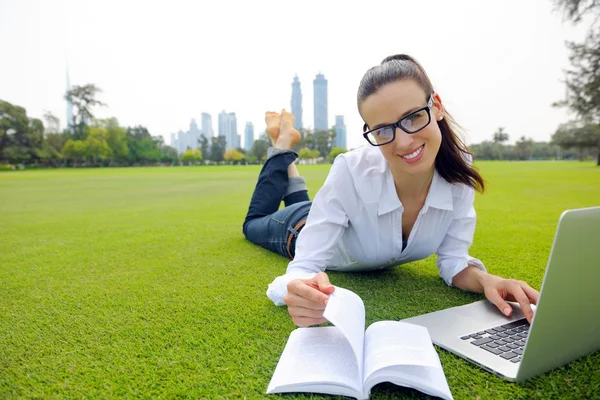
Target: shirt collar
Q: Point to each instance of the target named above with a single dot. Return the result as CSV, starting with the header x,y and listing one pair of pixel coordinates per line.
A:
x,y
439,195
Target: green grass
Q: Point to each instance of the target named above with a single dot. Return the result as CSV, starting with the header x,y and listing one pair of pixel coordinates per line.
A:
x,y
139,283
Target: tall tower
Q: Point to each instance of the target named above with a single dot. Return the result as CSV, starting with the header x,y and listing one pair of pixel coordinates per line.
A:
x,y
228,128
207,130
320,92
297,102
69,123
340,132
249,135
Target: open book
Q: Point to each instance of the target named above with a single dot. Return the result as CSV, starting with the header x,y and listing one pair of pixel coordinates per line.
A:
x,y
347,360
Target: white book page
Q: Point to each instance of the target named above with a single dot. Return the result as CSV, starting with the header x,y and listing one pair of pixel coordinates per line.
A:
x,y
347,312
403,353
316,355
389,343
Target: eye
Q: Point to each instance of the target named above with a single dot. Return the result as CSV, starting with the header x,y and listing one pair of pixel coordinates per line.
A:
x,y
385,133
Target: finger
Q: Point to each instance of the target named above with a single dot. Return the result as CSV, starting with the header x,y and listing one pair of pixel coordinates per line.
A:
x,y
305,312
502,305
520,296
305,322
531,293
308,292
323,283
292,299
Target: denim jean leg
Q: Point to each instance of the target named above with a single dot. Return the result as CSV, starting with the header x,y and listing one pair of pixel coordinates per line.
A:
x,y
271,187
273,231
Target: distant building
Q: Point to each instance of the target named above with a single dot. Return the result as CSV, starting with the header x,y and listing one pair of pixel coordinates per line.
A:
x,y
297,102
228,128
207,130
249,135
194,135
340,133
69,122
320,103
183,141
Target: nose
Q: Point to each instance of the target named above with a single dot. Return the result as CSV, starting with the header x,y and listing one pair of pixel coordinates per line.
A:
x,y
403,141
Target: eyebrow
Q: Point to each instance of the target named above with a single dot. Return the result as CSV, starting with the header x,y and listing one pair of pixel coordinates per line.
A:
x,y
412,110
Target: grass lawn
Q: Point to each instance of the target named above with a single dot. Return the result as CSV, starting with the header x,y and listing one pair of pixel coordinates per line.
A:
x,y
139,283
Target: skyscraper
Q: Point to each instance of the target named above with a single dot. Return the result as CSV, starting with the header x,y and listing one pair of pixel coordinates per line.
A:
x,y
207,130
193,135
182,143
249,135
340,132
320,92
297,102
69,122
228,128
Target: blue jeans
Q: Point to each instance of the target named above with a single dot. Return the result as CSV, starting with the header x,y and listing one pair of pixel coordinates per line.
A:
x,y
266,225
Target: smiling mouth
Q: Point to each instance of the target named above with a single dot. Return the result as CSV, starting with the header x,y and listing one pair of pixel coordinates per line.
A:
x,y
414,153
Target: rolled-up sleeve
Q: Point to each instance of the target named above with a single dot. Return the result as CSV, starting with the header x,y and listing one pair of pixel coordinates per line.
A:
x,y
453,253
324,227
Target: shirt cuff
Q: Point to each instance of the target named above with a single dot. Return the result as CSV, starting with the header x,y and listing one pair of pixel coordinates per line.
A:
x,y
450,272
278,288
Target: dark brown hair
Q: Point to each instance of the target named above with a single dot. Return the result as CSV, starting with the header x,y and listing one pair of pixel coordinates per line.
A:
x,y
453,158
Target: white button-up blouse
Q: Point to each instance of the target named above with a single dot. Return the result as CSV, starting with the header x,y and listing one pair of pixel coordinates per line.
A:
x,y
355,224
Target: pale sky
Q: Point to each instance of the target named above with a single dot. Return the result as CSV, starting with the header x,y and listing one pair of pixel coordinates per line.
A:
x,y
160,64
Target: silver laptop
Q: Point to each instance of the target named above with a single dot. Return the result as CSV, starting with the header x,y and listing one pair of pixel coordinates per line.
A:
x,y
566,323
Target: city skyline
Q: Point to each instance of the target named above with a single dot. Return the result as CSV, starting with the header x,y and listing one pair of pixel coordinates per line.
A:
x,y
480,86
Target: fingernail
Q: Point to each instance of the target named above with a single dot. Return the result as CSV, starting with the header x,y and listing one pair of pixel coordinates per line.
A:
x,y
507,311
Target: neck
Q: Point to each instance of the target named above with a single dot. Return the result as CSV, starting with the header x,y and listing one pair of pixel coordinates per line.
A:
x,y
412,187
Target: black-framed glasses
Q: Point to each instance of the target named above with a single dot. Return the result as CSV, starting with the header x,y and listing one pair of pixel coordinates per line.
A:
x,y
412,123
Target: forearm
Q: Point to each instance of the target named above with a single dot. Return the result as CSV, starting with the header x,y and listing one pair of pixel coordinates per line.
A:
x,y
470,279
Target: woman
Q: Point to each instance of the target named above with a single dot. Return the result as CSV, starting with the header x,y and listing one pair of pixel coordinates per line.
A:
x,y
406,195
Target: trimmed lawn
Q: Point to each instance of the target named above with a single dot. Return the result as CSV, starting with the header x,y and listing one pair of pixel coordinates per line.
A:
x,y
139,283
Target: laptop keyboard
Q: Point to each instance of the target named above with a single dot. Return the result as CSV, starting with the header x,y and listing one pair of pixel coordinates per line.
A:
x,y
506,341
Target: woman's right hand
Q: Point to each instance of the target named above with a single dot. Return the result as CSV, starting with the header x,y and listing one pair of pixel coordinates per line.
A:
x,y
306,299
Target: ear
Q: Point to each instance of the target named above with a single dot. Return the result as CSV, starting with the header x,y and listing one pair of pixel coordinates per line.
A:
x,y
439,112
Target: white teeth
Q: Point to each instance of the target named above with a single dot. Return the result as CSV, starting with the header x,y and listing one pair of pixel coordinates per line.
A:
x,y
413,155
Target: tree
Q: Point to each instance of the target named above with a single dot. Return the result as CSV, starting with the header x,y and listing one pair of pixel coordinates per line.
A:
x,y
500,136
583,79
336,151
116,138
143,147
204,145
52,123
191,156
217,148
83,99
579,136
233,155
319,140
259,149
524,148
21,138
308,154
75,150
96,146
169,154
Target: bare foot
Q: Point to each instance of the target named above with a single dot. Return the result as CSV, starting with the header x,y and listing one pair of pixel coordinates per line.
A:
x,y
273,121
288,136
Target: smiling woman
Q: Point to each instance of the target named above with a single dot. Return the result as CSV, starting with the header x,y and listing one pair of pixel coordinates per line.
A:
x,y
406,195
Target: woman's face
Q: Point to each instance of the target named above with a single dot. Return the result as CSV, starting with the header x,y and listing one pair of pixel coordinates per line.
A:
x,y
412,153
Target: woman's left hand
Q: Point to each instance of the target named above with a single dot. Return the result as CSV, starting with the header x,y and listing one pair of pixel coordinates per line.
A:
x,y
499,290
